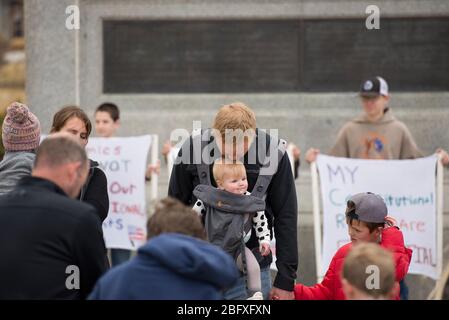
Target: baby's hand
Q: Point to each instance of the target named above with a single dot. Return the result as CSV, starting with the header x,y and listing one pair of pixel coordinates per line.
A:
x,y
264,249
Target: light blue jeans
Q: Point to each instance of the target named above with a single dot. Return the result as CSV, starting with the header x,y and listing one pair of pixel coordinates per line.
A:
x,y
238,291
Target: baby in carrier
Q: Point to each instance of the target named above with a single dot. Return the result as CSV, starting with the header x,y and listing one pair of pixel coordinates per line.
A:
x,y
228,228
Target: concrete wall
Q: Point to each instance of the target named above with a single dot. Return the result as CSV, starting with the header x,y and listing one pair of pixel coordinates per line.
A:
x,y
4,20
65,67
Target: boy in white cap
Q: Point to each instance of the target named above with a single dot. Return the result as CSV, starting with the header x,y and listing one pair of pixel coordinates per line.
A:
x,y
375,134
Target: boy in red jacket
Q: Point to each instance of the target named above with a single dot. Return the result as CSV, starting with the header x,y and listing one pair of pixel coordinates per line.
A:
x,y
366,216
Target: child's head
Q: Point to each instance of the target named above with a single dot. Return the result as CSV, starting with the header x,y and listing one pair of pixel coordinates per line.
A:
x,y
172,216
230,176
369,273
365,216
107,120
374,95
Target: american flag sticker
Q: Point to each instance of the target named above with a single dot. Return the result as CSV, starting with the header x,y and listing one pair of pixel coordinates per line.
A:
x,y
136,233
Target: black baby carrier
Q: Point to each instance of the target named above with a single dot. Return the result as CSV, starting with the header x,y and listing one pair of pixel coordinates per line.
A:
x,y
225,212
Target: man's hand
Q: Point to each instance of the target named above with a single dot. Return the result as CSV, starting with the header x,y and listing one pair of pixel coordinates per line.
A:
x,y
279,294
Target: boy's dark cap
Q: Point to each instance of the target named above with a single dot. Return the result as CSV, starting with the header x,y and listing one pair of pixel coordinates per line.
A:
x,y
369,207
374,87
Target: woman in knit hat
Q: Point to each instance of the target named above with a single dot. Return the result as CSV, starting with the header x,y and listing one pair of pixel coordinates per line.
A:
x,y
21,134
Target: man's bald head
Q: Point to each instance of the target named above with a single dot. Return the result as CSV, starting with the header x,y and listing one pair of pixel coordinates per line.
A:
x,y
62,160
59,149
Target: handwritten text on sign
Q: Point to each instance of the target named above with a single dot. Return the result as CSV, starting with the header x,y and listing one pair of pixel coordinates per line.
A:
x,y
408,188
124,161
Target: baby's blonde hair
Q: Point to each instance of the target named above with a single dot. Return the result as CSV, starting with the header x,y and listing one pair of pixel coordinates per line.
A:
x,y
226,167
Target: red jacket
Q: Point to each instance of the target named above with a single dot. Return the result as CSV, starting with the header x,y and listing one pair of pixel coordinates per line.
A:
x,y
331,289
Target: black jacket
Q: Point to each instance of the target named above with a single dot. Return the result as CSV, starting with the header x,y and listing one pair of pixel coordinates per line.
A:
x,y
95,190
43,233
281,210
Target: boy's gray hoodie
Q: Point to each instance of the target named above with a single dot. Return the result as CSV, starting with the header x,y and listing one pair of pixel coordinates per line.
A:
x,y
386,138
13,167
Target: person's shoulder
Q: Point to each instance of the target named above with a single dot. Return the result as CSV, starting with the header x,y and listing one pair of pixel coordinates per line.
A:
x,y
106,286
76,209
97,177
99,173
42,197
351,124
51,202
399,125
264,136
390,119
72,209
392,237
95,167
343,251
118,271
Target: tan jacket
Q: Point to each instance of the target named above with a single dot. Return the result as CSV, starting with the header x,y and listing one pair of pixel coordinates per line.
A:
x,y
387,138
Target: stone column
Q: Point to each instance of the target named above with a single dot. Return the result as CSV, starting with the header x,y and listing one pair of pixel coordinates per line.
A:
x,y
50,52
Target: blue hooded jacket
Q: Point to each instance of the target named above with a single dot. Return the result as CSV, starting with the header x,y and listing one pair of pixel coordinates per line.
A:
x,y
170,267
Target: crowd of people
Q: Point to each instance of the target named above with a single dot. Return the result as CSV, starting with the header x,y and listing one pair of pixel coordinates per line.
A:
x,y
210,238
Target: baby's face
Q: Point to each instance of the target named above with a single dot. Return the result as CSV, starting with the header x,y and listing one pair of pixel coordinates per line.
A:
x,y
237,185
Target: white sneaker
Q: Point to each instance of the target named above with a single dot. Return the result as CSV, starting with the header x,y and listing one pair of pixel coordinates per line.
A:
x,y
256,296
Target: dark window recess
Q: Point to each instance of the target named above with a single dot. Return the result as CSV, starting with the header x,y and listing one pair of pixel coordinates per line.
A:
x,y
274,55
411,54
200,56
